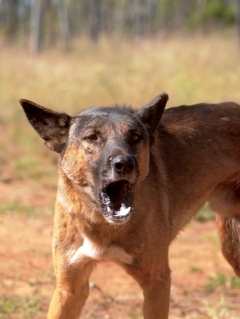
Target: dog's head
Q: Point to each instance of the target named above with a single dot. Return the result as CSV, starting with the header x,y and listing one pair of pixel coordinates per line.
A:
x,y
103,150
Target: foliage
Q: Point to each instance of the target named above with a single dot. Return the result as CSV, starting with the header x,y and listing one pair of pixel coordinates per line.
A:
x,y
214,13
45,22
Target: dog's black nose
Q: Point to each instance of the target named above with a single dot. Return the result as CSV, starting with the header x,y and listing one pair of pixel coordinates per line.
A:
x,y
123,164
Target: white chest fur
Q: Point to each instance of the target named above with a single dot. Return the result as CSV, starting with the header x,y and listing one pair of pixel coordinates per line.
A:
x,y
101,253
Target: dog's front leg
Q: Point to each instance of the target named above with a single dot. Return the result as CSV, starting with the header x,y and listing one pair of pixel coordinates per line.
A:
x,y
156,291
71,292
156,297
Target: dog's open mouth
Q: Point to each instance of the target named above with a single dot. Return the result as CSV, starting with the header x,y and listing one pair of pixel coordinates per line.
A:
x,y
117,201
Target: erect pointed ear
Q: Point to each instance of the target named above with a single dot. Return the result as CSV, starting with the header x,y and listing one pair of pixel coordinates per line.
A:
x,y
151,113
53,127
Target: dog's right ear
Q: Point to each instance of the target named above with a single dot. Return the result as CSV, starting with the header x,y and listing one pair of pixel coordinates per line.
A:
x,y
53,127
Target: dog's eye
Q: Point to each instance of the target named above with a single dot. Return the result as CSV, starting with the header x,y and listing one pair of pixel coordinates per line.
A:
x,y
91,138
134,138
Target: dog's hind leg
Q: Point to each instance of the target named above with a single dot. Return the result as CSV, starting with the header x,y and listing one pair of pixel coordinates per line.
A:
x,y
229,233
226,203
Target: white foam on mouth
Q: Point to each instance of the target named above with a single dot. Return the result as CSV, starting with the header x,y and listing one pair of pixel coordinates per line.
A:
x,y
106,200
124,211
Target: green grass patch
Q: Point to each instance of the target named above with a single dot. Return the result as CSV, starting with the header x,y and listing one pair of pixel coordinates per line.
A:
x,y
29,168
38,169
221,280
234,282
195,269
204,215
8,208
23,308
133,316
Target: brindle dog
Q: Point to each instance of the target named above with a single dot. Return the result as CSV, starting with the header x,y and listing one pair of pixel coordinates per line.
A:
x,y
129,181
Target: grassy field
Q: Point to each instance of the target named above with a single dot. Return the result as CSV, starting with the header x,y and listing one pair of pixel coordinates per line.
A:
x,y
190,70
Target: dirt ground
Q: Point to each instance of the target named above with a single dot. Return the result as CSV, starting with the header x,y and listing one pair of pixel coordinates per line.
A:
x,y
203,284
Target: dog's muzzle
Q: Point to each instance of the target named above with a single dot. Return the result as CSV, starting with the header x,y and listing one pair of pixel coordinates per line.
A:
x,y
117,194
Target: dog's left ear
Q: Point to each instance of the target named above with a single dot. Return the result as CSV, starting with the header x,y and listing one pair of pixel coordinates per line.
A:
x,y
151,113
53,127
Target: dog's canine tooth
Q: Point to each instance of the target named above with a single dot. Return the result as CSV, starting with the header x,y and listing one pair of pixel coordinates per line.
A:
x,y
109,210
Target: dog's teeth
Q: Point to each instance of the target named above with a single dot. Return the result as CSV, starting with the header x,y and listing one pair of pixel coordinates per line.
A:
x,y
127,210
123,211
109,210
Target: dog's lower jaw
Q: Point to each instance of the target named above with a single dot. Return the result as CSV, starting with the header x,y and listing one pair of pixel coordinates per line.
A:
x,y
118,217
117,222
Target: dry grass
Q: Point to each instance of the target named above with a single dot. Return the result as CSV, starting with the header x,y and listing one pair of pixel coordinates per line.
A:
x,y
191,70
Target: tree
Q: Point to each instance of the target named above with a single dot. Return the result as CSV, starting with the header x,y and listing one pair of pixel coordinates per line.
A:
x,y
95,19
47,21
35,27
64,23
11,7
238,19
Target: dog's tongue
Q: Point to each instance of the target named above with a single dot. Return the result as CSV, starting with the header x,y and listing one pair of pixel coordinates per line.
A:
x,y
124,211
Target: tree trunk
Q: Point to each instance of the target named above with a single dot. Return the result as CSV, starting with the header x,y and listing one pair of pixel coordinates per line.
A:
x,y
64,24
95,19
140,19
11,19
238,20
35,31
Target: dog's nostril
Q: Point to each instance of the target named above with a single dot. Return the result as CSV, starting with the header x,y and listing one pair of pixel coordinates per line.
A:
x,y
124,164
118,166
131,166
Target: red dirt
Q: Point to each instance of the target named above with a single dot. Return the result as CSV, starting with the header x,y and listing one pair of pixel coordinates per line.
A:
x,y
26,271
